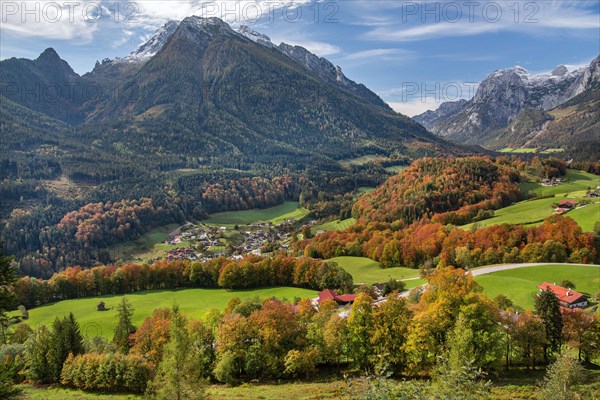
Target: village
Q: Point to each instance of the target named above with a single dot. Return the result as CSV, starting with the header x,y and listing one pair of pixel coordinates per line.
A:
x,y
203,242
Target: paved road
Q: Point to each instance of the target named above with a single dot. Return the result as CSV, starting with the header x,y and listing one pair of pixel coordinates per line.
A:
x,y
503,267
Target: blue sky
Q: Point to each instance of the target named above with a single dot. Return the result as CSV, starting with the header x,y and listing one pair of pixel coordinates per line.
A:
x,y
414,54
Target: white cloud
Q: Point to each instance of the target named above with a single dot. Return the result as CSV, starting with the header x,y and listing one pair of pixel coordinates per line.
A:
x,y
321,49
519,16
414,107
380,53
50,19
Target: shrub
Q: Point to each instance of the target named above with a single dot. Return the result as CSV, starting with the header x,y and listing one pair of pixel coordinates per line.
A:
x,y
106,372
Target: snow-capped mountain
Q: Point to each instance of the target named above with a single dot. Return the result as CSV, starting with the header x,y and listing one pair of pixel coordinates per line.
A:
x,y
255,36
318,65
501,97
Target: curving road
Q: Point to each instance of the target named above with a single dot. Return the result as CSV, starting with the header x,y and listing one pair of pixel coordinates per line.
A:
x,y
503,267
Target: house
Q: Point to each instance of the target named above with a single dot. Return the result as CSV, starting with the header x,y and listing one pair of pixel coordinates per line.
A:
x,y
568,298
567,204
332,295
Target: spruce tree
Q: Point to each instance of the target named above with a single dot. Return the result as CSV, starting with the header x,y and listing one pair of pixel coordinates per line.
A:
x,y
124,327
547,307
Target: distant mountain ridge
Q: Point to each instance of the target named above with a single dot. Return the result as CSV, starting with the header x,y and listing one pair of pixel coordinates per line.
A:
x,y
199,93
507,106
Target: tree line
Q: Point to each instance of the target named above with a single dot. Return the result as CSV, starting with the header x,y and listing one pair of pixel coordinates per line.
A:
x,y
449,328
249,272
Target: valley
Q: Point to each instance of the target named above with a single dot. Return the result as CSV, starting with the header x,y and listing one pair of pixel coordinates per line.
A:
x,y
212,214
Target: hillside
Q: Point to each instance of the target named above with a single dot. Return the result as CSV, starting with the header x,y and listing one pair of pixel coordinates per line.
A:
x,y
514,108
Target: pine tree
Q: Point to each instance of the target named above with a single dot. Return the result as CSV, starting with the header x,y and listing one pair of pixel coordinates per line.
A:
x,y
124,327
178,376
547,307
66,339
7,299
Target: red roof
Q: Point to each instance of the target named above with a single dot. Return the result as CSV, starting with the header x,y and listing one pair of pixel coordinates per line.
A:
x,y
564,295
346,298
567,203
332,295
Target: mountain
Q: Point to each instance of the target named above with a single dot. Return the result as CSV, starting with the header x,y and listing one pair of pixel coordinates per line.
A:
x,y
513,106
200,93
47,84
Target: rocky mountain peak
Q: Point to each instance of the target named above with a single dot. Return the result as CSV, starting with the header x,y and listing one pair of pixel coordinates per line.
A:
x,y
560,70
255,36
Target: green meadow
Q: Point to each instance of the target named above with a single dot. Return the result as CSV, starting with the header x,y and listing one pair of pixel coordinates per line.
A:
x,y
276,215
576,181
336,225
365,270
520,285
193,302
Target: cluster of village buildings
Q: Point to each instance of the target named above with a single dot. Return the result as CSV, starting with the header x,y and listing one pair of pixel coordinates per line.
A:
x,y
205,242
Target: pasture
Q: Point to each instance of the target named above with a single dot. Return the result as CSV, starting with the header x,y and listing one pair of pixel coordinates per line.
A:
x,y
193,302
365,270
520,285
576,181
336,225
276,215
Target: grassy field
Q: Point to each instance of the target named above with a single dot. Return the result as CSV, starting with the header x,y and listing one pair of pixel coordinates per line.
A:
x,y
337,225
149,246
577,180
365,270
276,215
534,211
362,159
521,150
520,285
515,385
396,168
193,302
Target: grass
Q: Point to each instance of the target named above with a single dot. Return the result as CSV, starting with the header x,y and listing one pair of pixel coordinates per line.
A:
x,y
276,215
362,159
531,212
555,150
193,302
521,150
520,285
586,216
577,180
534,211
396,168
149,246
365,270
337,225
514,385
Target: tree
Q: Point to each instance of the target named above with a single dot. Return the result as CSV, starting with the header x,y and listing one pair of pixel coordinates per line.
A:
x,y
560,377
567,284
577,325
301,361
360,324
547,307
124,328
390,329
66,339
529,336
178,375
7,299
37,352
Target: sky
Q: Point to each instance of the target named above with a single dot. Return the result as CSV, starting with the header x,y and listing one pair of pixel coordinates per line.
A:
x,y
413,54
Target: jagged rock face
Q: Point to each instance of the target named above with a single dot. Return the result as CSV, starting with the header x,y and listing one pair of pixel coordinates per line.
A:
x,y
255,36
501,97
444,110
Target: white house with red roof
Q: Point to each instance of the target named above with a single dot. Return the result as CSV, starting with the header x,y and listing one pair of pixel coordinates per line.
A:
x,y
568,298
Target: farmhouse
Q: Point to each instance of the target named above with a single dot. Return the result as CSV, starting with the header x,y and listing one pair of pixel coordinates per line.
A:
x,y
332,295
567,204
568,298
